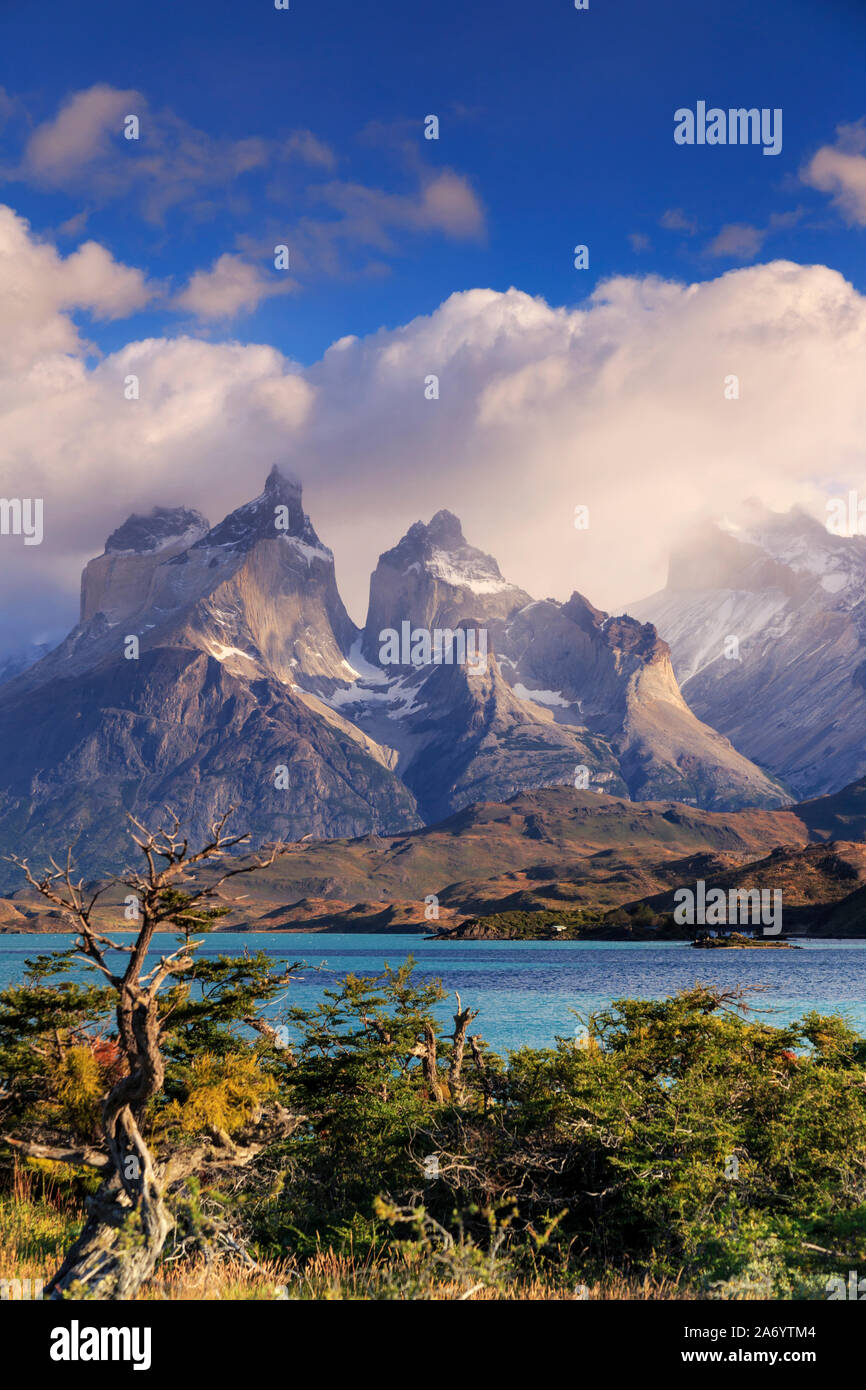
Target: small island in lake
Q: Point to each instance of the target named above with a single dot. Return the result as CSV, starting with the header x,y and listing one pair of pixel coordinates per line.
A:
x,y
736,941
551,926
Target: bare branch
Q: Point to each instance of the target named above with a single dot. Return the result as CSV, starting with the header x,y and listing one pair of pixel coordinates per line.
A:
x,y
85,1157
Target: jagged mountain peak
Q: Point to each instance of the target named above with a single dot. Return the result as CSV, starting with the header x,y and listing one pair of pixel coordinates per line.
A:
x,y
276,512
247,628
257,593
282,480
434,578
444,529
144,534
583,613
441,548
117,583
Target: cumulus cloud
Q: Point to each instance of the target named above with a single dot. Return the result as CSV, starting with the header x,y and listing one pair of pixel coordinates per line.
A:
x,y
840,170
39,289
231,286
618,405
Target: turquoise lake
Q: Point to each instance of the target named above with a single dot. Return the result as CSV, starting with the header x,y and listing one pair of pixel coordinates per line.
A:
x,y
527,992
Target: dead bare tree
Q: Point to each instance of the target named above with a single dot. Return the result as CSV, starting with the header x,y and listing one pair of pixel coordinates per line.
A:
x,y
129,1218
462,1020
439,1087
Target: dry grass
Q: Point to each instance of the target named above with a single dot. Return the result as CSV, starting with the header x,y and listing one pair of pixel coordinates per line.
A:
x,y
37,1223
34,1231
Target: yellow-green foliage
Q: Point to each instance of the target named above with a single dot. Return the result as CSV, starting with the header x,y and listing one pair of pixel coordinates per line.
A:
x,y
79,1087
221,1093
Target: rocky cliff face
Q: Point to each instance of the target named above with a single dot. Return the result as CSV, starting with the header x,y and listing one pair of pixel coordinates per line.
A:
x,y
258,593
614,676
473,740
118,583
790,690
176,729
265,593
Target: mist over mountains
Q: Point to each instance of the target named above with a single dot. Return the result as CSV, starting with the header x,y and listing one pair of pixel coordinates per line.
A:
x,y
790,692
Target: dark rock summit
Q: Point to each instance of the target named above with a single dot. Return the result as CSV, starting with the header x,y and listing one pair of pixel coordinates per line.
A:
x,y
161,526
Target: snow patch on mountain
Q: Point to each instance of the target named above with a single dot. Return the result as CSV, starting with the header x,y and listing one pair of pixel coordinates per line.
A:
x,y
222,653
467,572
309,552
551,698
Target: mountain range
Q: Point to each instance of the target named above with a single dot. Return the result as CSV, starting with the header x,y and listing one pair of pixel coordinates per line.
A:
x,y
217,665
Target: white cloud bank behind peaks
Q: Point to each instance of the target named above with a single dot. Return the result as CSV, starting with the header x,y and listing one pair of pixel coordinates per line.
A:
x,y
618,405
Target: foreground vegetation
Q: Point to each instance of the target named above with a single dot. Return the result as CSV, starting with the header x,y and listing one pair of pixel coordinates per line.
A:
x,y
355,1149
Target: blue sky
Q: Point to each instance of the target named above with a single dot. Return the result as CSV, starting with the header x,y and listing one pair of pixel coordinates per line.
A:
x,y
558,123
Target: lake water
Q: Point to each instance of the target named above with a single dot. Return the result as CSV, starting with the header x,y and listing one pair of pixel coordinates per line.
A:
x,y
526,991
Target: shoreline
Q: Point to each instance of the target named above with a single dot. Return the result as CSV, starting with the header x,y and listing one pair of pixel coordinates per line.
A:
x,y
604,934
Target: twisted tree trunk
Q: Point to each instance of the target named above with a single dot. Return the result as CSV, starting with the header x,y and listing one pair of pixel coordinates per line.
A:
x,y
128,1221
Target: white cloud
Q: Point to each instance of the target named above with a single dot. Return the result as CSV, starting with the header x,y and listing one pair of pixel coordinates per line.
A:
x,y
619,405
840,170
38,288
231,286
80,134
